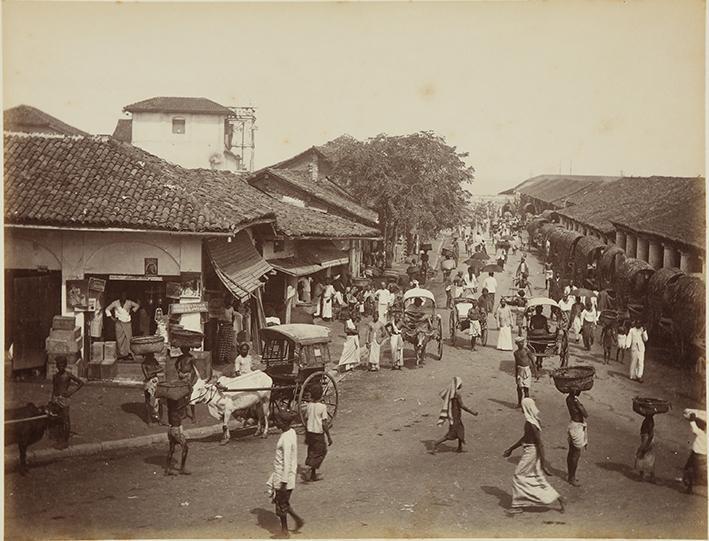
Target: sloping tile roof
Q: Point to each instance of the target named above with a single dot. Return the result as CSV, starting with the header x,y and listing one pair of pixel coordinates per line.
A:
x,y
326,190
178,105
28,119
293,221
101,182
669,207
237,263
561,189
124,130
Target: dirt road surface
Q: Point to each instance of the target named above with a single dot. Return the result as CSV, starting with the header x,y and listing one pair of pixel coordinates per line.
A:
x,y
379,478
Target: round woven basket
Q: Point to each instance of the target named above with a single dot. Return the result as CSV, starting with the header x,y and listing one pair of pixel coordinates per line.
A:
x,y
650,406
574,378
184,338
141,345
172,390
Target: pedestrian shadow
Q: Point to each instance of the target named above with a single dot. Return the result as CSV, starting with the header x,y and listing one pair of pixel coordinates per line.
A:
x,y
158,460
618,375
504,499
428,444
511,405
507,367
629,472
267,520
134,408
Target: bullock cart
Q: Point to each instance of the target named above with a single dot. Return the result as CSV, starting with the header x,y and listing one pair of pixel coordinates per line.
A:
x,y
295,356
421,322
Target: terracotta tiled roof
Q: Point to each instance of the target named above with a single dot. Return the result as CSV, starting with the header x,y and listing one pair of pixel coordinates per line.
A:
x,y
325,190
293,221
669,207
178,105
28,119
101,182
561,190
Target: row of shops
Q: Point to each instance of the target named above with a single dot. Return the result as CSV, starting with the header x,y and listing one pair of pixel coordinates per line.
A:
x,y
90,218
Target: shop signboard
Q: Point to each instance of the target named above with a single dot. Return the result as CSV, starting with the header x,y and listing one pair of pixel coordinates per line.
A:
x,y
97,284
189,308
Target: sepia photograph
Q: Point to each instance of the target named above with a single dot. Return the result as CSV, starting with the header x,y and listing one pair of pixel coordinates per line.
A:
x,y
335,270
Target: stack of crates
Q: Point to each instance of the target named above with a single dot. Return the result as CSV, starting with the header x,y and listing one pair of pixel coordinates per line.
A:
x,y
64,340
103,361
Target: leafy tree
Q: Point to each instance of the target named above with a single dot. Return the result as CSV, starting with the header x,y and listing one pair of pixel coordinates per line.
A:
x,y
414,182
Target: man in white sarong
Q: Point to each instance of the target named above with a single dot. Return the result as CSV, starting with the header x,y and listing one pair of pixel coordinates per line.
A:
x,y
637,336
383,298
120,311
327,298
350,353
375,337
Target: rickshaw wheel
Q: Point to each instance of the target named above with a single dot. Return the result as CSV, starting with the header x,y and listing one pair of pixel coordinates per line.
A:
x,y
439,352
451,323
329,394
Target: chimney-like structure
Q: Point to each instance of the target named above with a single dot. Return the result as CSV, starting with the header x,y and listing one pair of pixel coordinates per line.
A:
x,y
313,171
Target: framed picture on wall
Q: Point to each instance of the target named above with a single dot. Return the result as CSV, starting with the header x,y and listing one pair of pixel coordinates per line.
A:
x,y
77,295
151,266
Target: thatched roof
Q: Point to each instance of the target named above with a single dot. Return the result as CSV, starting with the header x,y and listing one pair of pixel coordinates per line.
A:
x,y
687,298
668,207
562,243
611,259
586,250
534,225
632,277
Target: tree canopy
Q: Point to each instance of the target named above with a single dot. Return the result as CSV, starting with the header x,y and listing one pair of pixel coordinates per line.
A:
x,y
415,182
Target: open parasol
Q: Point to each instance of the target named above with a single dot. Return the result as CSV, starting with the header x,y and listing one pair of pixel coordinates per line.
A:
x,y
492,268
480,256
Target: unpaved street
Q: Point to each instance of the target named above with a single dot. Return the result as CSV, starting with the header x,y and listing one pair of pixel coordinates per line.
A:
x,y
379,478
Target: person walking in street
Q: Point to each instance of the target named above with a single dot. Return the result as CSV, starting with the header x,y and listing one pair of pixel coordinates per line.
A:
x,y
589,317
530,487
490,283
396,343
622,343
316,429
566,303
451,413
505,320
695,470
645,454
328,295
578,435
285,467
120,310
524,368
176,412
151,373
375,338
522,268
350,352
474,322
62,382
548,275
187,371
318,289
576,322
383,299
637,336
470,283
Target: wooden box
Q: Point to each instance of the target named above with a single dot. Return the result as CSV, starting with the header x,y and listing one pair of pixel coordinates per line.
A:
x,y
66,323
97,352
109,351
63,346
108,369
63,334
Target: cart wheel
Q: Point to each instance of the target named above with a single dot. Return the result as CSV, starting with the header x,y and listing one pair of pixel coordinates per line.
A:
x,y
439,353
329,394
451,323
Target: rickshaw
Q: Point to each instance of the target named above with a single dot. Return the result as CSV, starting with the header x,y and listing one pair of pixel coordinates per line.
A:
x,y
458,320
418,328
295,356
542,344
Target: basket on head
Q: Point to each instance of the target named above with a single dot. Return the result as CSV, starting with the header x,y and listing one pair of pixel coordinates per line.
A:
x,y
172,390
574,378
140,345
650,406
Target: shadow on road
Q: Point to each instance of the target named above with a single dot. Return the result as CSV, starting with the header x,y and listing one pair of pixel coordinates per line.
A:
x,y
507,367
267,520
627,471
135,408
511,405
504,499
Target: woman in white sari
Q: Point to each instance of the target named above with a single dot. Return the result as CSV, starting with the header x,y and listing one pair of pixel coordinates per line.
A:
x,y
505,319
530,487
327,298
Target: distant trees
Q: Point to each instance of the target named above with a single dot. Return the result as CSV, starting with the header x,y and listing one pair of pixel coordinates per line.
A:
x,y
414,182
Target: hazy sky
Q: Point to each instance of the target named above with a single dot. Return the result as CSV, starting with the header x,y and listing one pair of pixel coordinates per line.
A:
x,y
525,88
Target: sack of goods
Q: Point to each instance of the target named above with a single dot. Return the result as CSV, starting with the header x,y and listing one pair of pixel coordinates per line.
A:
x,y
650,406
172,390
574,378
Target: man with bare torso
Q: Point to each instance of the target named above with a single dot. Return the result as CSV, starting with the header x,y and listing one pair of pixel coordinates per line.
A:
x,y
61,391
578,435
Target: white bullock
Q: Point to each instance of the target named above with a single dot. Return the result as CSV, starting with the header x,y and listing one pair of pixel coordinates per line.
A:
x,y
222,404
